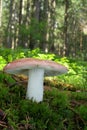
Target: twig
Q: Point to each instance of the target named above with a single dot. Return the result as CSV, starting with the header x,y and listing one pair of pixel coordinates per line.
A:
x,y
3,124
77,114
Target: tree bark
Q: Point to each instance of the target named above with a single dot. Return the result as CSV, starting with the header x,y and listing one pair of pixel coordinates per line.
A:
x,y
66,44
44,30
20,12
0,13
34,24
10,25
52,25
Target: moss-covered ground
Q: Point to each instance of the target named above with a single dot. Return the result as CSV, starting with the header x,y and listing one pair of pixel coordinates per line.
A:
x,y
64,106
61,109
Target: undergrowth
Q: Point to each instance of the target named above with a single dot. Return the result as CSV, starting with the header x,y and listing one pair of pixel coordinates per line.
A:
x,y
65,97
60,110
77,70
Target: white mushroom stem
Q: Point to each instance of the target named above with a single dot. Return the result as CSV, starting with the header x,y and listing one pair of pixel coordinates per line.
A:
x,y
35,84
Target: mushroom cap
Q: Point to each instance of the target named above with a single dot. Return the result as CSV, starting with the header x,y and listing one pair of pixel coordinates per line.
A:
x,y
22,66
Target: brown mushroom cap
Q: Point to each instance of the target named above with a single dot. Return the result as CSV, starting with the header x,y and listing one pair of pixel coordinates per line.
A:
x,y
22,66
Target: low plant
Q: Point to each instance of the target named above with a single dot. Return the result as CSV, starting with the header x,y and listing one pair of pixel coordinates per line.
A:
x,y
64,105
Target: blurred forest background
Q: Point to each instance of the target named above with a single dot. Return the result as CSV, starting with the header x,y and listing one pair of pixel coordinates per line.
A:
x,y
57,26
52,30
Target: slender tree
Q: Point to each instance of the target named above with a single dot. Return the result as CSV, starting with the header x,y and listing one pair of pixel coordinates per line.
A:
x,y
66,43
20,11
10,26
44,20
52,25
34,24
0,13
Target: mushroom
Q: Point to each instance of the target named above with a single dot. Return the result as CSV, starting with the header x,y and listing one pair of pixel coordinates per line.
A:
x,y
35,69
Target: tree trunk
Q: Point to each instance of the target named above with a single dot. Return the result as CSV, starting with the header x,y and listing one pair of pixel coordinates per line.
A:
x,y
44,30
20,40
66,44
10,26
0,13
27,22
20,12
52,25
34,24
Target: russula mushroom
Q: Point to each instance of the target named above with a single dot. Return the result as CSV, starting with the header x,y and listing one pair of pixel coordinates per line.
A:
x,y
35,69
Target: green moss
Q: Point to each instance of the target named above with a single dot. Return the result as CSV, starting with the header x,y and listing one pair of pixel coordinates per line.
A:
x,y
54,112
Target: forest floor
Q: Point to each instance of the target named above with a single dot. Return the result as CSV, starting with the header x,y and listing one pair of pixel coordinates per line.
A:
x,y
64,107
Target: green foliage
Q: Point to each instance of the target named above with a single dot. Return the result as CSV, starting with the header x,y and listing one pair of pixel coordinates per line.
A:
x,y
77,70
53,112
77,73
13,117
40,114
83,111
79,96
3,92
2,62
